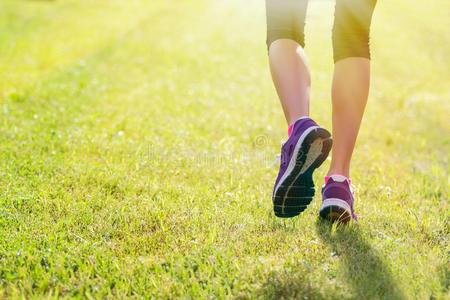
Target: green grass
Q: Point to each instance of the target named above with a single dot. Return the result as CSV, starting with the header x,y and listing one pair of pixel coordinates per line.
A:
x,y
137,141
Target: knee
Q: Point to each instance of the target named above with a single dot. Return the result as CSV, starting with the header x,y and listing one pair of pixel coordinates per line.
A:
x,y
274,35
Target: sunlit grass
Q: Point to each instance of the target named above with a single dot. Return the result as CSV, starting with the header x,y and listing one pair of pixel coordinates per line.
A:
x,y
137,147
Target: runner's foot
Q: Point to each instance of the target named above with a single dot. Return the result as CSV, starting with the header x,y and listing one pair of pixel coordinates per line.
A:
x,y
305,150
338,199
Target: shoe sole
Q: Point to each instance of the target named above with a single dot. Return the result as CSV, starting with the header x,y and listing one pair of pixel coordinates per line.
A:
x,y
296,189
335,210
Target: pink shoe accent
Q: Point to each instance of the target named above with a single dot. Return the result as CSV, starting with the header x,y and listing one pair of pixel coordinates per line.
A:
x,y
339,178
290,128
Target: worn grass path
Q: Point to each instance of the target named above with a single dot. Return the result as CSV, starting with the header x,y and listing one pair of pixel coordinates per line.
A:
x,y
137,141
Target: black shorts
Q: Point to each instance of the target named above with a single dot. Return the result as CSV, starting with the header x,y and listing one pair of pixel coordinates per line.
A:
x,y
352,19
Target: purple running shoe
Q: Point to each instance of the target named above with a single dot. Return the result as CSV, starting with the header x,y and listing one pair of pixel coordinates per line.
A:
x,y
338,199
303,152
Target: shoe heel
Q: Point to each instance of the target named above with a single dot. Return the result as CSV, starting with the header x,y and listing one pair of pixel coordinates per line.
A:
x,y
335,210
335,214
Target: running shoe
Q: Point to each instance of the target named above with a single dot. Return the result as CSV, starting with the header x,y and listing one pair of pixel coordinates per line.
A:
x,y
304,151
338,199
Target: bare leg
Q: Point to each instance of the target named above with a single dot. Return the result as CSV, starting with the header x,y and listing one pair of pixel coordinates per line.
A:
x,y
291,76
349,94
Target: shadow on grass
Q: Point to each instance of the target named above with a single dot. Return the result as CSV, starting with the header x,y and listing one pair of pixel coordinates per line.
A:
x,y
365,270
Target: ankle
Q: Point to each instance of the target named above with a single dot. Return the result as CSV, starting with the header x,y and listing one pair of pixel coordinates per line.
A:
x,y
339,171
